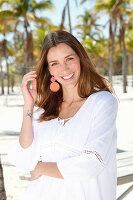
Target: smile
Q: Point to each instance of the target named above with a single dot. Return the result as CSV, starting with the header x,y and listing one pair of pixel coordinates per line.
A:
x,y
68,77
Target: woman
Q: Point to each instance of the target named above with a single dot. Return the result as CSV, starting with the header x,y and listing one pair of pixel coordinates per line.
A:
x,y
68,135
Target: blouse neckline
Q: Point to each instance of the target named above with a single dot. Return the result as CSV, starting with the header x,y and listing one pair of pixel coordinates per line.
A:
x,y
70,119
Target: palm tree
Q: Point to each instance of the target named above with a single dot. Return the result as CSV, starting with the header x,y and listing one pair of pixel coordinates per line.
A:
x,y
43,28
115,9
130,50
105,7
67,5
69,17
1,70
111,7
63,17
124,60
93,39
2,78
4,29
24,12
121,8
129,37
89,27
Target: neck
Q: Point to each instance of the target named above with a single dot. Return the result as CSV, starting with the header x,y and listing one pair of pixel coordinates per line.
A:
x,y
70,95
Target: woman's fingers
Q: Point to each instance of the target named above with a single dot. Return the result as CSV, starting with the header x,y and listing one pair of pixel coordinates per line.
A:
x,y
34,84
29,73
26,82
28,78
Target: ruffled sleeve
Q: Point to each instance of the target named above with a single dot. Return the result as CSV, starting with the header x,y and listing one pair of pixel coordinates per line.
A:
x,y
100,144
26,158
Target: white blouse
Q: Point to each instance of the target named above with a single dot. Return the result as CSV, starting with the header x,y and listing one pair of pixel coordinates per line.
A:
x,y
84,149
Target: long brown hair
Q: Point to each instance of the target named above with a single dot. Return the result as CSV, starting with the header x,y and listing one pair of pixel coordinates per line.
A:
x,y
89,81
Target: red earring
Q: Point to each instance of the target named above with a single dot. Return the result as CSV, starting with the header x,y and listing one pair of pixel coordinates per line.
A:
x,y
54,86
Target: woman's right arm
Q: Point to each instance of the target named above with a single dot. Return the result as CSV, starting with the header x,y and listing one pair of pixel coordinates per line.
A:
x,y
25,154
30,96
26,134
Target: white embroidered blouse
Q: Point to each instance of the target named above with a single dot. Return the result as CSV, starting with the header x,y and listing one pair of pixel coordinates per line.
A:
x,y
84,149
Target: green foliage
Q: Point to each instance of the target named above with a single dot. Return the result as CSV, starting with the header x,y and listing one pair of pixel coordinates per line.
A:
x,y
104,5
130,43
92,47
20,13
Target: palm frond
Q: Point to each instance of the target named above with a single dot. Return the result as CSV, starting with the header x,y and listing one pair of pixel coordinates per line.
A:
x,y
42,5
82,2
5,14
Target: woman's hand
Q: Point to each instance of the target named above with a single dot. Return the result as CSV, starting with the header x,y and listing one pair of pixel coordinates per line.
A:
x,y
30,95
36,173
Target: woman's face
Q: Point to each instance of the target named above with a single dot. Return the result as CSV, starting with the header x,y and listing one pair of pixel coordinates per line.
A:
x,y
64,65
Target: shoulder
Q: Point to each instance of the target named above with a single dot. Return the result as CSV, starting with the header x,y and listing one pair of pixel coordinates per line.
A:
x,y
104,98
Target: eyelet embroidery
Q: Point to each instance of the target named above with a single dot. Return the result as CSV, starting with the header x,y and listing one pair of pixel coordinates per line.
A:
x,y
63,121
96,154
40,158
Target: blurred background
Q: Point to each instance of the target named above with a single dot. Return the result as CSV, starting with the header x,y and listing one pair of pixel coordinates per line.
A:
x,y
105,28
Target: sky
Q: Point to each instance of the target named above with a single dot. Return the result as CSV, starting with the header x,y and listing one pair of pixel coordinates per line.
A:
x,y
56,15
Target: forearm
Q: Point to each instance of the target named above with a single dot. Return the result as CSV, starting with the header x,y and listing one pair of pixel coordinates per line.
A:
x,y
50,169
26,134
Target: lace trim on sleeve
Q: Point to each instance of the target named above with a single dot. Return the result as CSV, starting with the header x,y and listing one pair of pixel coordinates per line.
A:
x,y
96,154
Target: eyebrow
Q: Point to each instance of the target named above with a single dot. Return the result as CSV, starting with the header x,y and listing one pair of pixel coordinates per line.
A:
x,y
72,54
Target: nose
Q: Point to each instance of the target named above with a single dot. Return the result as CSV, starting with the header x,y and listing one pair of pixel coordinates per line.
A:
x,y
64,68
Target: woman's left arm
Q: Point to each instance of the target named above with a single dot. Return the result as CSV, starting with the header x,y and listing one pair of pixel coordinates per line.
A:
x,y
46,168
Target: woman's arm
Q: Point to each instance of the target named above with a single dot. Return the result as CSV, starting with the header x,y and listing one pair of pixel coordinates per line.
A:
x,y
26,134
46,168
30,96
25,153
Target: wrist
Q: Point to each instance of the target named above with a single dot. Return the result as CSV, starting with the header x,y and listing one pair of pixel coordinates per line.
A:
x,y
28,108
41,168
28,111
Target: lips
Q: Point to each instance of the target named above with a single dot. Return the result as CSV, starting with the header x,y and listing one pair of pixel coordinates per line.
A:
x,y
68,77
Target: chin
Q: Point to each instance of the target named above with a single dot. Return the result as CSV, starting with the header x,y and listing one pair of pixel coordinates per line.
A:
x,y
70,86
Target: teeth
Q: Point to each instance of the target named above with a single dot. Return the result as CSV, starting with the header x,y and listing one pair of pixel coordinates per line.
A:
x,y
67,77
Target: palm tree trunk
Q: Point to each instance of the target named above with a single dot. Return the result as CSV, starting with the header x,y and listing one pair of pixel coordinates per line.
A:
x,y
2,188
12,82
111,47
7,66
2,79
111,58
28,48
124,64
131,63
63,18
124,60
8,77
69,17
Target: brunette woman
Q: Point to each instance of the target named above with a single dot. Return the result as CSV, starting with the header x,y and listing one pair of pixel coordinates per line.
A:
x,y
68,136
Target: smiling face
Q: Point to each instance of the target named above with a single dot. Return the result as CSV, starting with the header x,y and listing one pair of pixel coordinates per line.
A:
x,y
64,65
